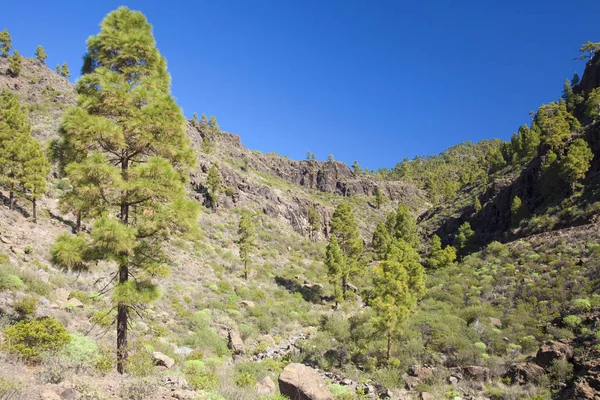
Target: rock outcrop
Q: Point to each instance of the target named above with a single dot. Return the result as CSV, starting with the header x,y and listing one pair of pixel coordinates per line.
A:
x,y
553,350
299,382
525,372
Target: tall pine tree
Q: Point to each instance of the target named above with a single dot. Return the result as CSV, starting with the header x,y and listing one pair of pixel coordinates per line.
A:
x,y
406,227
345,228
5,43
335,263
128,155
246,240
399,282
23,164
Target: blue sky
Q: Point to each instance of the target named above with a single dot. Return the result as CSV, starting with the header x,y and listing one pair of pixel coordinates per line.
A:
x,y
368,80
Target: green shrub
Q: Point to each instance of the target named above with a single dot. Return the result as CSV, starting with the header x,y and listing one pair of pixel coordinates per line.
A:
x,y
572,321
28,250
140,363
245,380
82,296
81,350
560,370
29,339
340,392
10,389
105,361
9,282
581,305
207,339
198,377
27,306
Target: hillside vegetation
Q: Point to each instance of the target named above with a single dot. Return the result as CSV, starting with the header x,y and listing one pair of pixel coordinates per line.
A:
x,y
146,256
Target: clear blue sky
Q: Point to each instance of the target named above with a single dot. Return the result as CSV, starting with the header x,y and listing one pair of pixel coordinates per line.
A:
x,y
368,80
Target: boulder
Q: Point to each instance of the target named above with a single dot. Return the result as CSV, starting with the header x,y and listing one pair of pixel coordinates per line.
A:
x,y
162,360
525,372
236,344
69,394
299,382
74,303
222,331
553,350
184,395
265,386
476,373
426,396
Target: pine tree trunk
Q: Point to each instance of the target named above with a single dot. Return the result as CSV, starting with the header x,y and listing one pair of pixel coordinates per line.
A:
x,y
344,288
122,308
11,200
122,317
34,201
246,270
78,222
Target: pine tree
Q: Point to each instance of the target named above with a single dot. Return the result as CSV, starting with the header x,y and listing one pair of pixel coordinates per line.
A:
x,y
206,146
589,50
203,119
5,43
406,227
40,54
518,211
568,96
464,238
213,181
35,170
390,222
330,157
314,222
345,228
399,282
592,104
335,263
575,80
530,142
23,165
15,63
64,70
379,198
246,240
576,163
214,125
310,156
477,205
356,168
440,257
381,241
57,69
128,154
195,117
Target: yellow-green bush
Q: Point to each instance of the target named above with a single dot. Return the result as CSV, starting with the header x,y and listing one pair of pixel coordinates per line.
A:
x,y
27,306
30,339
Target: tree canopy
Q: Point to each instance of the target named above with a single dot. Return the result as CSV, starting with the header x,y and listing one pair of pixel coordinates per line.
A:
x,y
126,154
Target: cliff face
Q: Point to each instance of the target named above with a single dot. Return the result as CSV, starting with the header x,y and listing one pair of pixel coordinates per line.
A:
x,y
285,188
266,183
